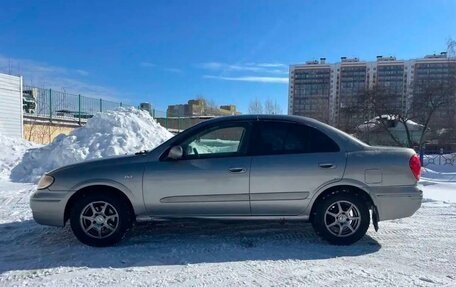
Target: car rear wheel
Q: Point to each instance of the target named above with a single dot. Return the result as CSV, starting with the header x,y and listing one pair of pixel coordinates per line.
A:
x,y
100,219
341,218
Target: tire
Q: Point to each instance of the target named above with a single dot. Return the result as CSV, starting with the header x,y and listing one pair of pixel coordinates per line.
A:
x,y
345,226
100,219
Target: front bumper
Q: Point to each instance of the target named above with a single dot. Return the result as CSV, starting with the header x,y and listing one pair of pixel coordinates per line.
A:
x,y
397,201
48,207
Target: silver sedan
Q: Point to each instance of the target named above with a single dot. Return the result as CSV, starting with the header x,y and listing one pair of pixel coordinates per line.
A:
x,y
239,167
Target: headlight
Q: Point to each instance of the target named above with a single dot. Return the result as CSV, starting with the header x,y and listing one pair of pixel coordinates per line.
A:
x,y
45,181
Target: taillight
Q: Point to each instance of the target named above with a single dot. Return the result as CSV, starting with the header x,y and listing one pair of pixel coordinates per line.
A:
x,y
415,166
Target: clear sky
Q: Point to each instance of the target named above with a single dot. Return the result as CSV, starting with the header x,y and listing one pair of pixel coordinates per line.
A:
x,y
166,52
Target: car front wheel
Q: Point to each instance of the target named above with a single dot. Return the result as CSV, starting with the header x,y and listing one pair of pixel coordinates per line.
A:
x,y
100,219
341,218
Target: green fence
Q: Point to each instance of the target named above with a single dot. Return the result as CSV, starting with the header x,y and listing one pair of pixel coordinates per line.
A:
x,y
51,104
54,104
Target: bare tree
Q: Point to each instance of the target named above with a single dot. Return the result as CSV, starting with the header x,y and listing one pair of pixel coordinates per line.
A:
x,y
447,134
355,112
209,106
272,107
434,99
383,110
429,98
269,107
387,108
255,107
321,110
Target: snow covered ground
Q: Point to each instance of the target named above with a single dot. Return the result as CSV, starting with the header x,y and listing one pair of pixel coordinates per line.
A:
x,y
419,250
439,182
11,152
413,251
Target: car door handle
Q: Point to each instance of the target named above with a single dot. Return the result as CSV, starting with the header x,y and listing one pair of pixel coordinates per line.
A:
x,y
327,165
237,170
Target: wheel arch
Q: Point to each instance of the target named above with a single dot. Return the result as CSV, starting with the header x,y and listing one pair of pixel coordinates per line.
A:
x,y
90,189
347,187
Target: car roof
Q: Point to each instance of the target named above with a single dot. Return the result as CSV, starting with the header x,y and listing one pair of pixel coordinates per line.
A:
x,y
254,117
258,117
349,142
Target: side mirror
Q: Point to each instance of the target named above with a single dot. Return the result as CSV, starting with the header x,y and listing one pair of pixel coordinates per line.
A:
x,y
176,152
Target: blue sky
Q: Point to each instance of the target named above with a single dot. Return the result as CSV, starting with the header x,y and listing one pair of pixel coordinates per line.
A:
x,y
166,52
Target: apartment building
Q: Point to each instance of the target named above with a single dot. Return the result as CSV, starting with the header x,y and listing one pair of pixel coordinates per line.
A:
x,y
391,76
310,90
333,92
352,78
436,72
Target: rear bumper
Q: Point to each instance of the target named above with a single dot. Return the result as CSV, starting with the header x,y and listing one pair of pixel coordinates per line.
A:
x,y
397,201
48,207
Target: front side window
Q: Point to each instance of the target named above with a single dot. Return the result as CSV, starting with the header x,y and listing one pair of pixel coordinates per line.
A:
x,y
289,138
217,142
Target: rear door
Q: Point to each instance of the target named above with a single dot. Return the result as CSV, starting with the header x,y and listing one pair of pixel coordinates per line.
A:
x,y
290,162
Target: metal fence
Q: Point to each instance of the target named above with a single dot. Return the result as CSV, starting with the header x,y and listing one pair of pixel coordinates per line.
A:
x,y
52,104
439,159
49,103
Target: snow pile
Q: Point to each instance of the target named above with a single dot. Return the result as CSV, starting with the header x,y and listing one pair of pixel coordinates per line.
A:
x,y
119,132
437,173
11,152
391,121
438,177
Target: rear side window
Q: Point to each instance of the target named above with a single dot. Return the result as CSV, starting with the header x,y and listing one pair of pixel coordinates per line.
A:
x,y
270,138
290,138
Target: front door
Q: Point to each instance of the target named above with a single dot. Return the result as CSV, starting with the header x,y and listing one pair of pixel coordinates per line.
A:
x,y
212,178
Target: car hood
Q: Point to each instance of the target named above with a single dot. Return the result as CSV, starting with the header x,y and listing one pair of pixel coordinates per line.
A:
x,y
108,162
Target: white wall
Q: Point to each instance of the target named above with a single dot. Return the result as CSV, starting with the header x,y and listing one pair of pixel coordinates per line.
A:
x,y
10,105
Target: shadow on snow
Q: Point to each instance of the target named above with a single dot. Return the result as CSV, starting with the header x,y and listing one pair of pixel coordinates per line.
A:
x,y
29,246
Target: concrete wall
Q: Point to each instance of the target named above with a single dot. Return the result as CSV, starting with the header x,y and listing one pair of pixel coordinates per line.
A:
x,y
44,133
10,105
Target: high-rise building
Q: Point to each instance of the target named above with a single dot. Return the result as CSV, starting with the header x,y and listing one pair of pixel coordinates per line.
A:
x,y
391,76
438,73
333,92
353,76
310,90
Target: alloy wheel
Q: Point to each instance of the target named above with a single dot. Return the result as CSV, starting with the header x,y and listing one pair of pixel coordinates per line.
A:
x,y
342,218
99,219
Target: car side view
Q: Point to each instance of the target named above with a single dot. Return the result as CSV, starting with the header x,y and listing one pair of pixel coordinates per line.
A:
x,y
239,167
